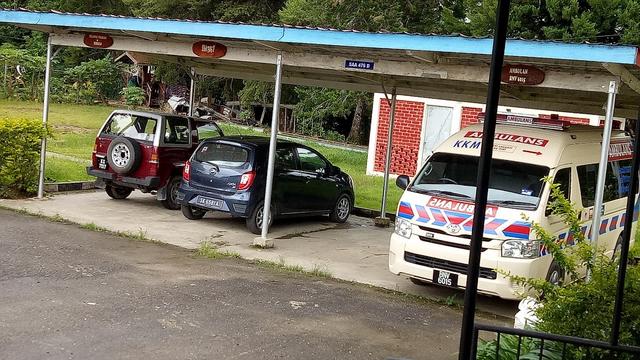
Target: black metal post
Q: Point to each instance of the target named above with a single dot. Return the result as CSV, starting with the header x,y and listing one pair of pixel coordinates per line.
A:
x,y
626,237
482,183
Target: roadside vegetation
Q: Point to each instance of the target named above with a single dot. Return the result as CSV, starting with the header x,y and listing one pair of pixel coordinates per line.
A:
x,y
19,151
74,127
589,300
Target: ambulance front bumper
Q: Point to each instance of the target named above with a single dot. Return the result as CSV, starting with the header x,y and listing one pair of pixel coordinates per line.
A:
x,y
418,259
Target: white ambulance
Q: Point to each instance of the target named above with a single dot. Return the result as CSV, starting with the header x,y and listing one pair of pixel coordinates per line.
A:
x,y
435,214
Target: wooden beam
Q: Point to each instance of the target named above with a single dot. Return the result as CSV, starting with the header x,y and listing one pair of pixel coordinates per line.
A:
x,y
625,75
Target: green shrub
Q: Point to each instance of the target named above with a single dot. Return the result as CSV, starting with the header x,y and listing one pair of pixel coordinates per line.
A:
x,y
579,307
133,95
529,349
19,156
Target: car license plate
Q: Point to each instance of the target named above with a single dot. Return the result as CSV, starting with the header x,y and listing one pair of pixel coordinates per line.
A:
x,y
102,163
445,278
209,202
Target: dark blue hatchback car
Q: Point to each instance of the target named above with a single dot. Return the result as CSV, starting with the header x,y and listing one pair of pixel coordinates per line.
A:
x,y
229,175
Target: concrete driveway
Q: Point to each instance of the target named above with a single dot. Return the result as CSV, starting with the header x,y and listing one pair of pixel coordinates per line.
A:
x,y
355,251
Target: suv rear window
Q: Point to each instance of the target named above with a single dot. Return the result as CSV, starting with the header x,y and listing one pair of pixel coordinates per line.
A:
x,y
135,127
223,154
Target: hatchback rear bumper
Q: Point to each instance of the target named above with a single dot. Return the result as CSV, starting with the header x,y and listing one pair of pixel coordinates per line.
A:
x,y
151,182
237,204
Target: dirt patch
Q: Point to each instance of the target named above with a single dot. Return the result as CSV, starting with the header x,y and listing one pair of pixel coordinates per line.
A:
x,y
70,129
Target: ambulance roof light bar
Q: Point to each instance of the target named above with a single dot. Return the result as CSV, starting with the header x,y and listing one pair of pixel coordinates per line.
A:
x,y
529,121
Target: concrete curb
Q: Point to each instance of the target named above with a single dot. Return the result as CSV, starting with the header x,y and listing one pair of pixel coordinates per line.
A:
x,y
369,213
69,186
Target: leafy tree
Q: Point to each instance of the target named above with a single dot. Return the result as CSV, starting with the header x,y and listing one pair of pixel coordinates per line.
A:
x,y
365,15
609,21
103,75
22,72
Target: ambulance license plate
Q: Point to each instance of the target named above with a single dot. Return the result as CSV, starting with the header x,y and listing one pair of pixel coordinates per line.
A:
x,y
445,278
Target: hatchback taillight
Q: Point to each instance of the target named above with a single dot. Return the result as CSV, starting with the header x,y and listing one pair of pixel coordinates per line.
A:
x,y
246,180
186,172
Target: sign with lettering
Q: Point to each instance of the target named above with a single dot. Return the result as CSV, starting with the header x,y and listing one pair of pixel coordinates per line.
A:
x,y
527,140
620,150
98,40
359,64
209,49
459,206
522,75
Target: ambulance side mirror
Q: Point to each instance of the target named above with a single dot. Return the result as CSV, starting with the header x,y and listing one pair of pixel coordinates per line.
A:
x,y
403,182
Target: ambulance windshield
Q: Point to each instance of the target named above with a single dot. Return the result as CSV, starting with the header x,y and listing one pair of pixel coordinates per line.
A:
x,y
512,184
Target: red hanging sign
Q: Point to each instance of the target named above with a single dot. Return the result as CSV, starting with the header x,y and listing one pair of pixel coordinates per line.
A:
x,y
522,75
98,40
209,49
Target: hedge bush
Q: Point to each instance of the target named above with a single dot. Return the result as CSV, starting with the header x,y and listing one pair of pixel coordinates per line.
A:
x,y
19,156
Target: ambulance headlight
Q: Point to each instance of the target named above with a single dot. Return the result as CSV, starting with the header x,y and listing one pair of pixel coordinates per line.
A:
x,y
521,249
403,228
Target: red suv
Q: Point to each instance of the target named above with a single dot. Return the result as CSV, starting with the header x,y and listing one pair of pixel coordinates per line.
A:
x,y
146,151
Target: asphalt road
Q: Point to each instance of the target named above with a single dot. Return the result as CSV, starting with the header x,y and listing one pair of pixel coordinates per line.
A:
x,y
70,293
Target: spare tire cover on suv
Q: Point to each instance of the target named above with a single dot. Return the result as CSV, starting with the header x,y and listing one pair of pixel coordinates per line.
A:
x,y
123,155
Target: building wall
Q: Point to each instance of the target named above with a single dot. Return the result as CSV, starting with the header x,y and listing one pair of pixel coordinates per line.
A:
x,y
406,136
409,126
469,116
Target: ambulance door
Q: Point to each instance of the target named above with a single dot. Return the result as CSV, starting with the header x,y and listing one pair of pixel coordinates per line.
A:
x,y
616,189
564,178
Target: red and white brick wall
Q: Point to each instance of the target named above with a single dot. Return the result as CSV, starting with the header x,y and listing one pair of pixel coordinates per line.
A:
x,y
408,128
406,136
469,116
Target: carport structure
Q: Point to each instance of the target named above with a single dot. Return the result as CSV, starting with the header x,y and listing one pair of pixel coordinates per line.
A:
x,y
583,78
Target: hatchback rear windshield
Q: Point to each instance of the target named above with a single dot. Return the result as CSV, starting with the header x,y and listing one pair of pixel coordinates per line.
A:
x,y
223,154
512,184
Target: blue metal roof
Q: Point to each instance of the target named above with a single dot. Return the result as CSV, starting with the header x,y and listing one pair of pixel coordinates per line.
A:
x,y
617,54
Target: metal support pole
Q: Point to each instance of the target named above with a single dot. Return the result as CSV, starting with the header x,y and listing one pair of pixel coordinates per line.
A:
x,y
482,183
45,117
387,161
272,152
192,91
602,167
626,237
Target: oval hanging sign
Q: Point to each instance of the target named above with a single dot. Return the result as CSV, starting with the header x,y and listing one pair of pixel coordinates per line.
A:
x,y
209,49
522,75
98,40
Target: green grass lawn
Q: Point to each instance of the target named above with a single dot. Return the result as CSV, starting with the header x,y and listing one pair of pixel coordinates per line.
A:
x,y
61,170
74,128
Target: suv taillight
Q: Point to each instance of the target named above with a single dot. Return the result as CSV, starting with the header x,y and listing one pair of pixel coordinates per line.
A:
x,y
186,173
154,157
246,180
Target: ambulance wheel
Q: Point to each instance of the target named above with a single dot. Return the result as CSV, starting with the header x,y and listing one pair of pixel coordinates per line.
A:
x,y
555,274
618,248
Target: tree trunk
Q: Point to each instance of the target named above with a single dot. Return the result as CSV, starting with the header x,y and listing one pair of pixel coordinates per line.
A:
x,y
355,135
264,111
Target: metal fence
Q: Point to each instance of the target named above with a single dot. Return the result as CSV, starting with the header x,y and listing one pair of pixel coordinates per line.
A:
x,y
515,344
